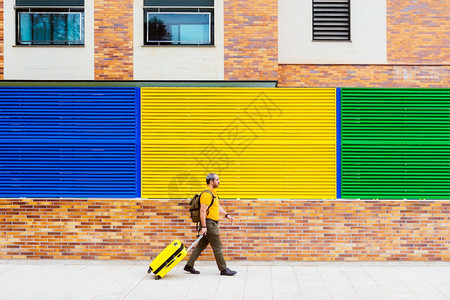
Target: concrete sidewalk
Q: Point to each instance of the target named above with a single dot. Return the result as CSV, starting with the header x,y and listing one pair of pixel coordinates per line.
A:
x,y
53,279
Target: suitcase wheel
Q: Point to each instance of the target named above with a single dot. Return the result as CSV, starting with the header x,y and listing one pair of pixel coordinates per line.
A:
x,y
149,270
157,277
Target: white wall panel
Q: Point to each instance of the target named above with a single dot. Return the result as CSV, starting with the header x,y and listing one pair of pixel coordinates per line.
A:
x,y
368,35
178,62
48,62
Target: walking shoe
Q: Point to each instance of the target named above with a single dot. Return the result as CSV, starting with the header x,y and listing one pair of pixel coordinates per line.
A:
x,y
227,272
191,270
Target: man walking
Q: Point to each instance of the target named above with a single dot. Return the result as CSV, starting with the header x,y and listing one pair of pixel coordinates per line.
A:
x,y
210,209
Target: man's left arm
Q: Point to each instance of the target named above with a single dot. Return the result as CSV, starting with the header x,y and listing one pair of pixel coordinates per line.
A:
x,y
224,212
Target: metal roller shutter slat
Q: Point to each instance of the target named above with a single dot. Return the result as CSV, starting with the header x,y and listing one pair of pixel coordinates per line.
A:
x,y
68,142
395,143
287,150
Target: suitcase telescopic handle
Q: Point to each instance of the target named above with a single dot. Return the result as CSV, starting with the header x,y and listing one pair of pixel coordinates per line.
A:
x,y
195,242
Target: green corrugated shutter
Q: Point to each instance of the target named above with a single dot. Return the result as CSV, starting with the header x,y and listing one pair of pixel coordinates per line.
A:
x,y
178,3
49,3
396,143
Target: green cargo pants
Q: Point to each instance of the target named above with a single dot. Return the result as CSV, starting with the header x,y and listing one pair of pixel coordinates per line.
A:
x,y
213,238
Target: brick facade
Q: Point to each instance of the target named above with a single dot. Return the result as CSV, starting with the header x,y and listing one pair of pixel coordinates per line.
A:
x,y
417,52
390,76
417,47
263,230
113,27
418,31
251,40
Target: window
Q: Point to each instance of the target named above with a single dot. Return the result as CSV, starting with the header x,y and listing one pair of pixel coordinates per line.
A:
x,y
50,23
331,20
178,22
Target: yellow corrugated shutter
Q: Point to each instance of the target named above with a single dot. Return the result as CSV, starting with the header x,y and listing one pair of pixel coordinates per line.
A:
x,y
264,143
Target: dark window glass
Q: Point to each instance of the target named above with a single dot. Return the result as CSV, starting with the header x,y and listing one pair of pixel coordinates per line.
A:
x,y
50,28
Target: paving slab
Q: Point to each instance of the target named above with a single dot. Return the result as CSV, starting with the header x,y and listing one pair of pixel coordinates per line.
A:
x,y
87,279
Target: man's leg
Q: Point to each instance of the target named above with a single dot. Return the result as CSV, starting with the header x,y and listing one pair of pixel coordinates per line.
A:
x,y
213,235
197,251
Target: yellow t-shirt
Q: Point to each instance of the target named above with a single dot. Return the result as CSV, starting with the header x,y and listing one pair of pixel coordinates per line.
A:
x,y
206,199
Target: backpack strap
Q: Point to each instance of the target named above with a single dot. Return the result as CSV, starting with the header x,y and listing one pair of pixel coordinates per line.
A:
x,y
197,226
212,201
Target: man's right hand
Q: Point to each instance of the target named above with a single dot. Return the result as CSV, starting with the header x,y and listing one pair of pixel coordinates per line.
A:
x,y
203,231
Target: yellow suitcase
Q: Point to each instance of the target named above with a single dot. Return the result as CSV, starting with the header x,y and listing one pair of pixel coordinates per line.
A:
x,y
169,258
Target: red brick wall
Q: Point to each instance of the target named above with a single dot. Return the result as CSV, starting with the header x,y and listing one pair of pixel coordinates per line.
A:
x,y
251,40
264,230
418,31
364,76
113,26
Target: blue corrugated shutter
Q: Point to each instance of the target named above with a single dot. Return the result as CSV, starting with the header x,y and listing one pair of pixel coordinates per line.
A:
x,y
69,142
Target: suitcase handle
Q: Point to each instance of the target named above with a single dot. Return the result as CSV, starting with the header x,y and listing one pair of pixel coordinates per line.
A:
x,y
194,243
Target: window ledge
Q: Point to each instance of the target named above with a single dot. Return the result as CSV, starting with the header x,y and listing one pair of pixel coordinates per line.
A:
x,y
50,46
331,41
180,46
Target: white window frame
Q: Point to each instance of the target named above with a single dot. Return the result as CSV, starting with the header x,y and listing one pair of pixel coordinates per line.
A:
x,y
181,42
32,10
46,13
173,10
